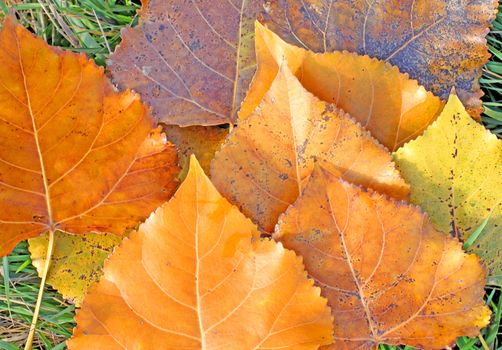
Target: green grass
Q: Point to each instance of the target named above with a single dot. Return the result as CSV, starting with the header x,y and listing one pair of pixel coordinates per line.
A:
x,y
93,27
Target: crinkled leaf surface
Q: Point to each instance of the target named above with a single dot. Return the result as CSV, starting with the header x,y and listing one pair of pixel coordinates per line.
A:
x,y
74,155
203,142
389,276
391,106
455,172
440,43
76,261
190,60
267,159
193,277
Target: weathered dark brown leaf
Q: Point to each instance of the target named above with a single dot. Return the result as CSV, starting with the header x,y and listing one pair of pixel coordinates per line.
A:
x,y
438,42
190,60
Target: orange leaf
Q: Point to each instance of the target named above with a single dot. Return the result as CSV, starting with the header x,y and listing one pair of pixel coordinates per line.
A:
x,y
192,61
267,159
75,156
389,276
203,142
193,277
440,43
392,107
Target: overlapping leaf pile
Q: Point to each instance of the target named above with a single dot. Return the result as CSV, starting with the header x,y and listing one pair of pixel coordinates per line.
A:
x,y
324,150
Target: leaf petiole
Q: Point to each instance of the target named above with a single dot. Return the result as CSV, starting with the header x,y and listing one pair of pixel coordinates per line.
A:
x,y
36,312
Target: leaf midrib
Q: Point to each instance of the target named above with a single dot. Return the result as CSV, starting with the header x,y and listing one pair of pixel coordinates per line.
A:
x,y
37,141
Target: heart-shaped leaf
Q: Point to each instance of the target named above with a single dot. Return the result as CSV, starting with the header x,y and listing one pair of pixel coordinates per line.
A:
x,y
455,172
267,159
389,276
75,156
394,108
197,276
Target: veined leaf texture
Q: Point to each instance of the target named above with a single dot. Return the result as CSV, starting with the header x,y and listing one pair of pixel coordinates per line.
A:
x,y
75,156
196,275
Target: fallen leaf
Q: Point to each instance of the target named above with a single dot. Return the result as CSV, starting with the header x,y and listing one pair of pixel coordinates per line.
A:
x,y
194,277
201,141
74,155
440,43
267,159
76,261
455,172
394,108
389,276
192,61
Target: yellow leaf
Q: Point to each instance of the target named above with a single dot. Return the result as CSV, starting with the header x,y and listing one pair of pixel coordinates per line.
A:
x,y
389,276
455,172
394,108
197,276
76,261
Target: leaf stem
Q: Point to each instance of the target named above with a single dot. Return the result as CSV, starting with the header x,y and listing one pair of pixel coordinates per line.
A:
x,y
33,326
483,342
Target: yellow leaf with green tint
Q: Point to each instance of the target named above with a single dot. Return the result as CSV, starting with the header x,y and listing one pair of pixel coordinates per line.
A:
x,y
76,261
455,173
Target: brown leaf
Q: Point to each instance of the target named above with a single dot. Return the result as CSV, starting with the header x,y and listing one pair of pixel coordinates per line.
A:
x,y
440,43
389,276
191,61
192,277
74,155
267,159
392,107
201,141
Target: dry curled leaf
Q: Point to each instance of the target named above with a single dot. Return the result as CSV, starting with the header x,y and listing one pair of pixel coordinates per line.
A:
x,y
203,142
391,106
190,60
455,172
193,277
267,159
440,43
76,261
74,155
389,276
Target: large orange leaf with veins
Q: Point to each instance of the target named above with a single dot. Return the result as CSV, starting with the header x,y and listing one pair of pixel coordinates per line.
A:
x,y
74,155
192,60
197,276
389,276
266,160
394,108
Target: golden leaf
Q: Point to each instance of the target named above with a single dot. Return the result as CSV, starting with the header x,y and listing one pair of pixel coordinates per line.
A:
x,y
394,108
455,172
76,261
389,276
267,159
196,275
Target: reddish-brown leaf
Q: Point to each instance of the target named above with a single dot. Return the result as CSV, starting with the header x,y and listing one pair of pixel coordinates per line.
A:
x,y
267,159
389,276
440,43
191,60
74,155
197,276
